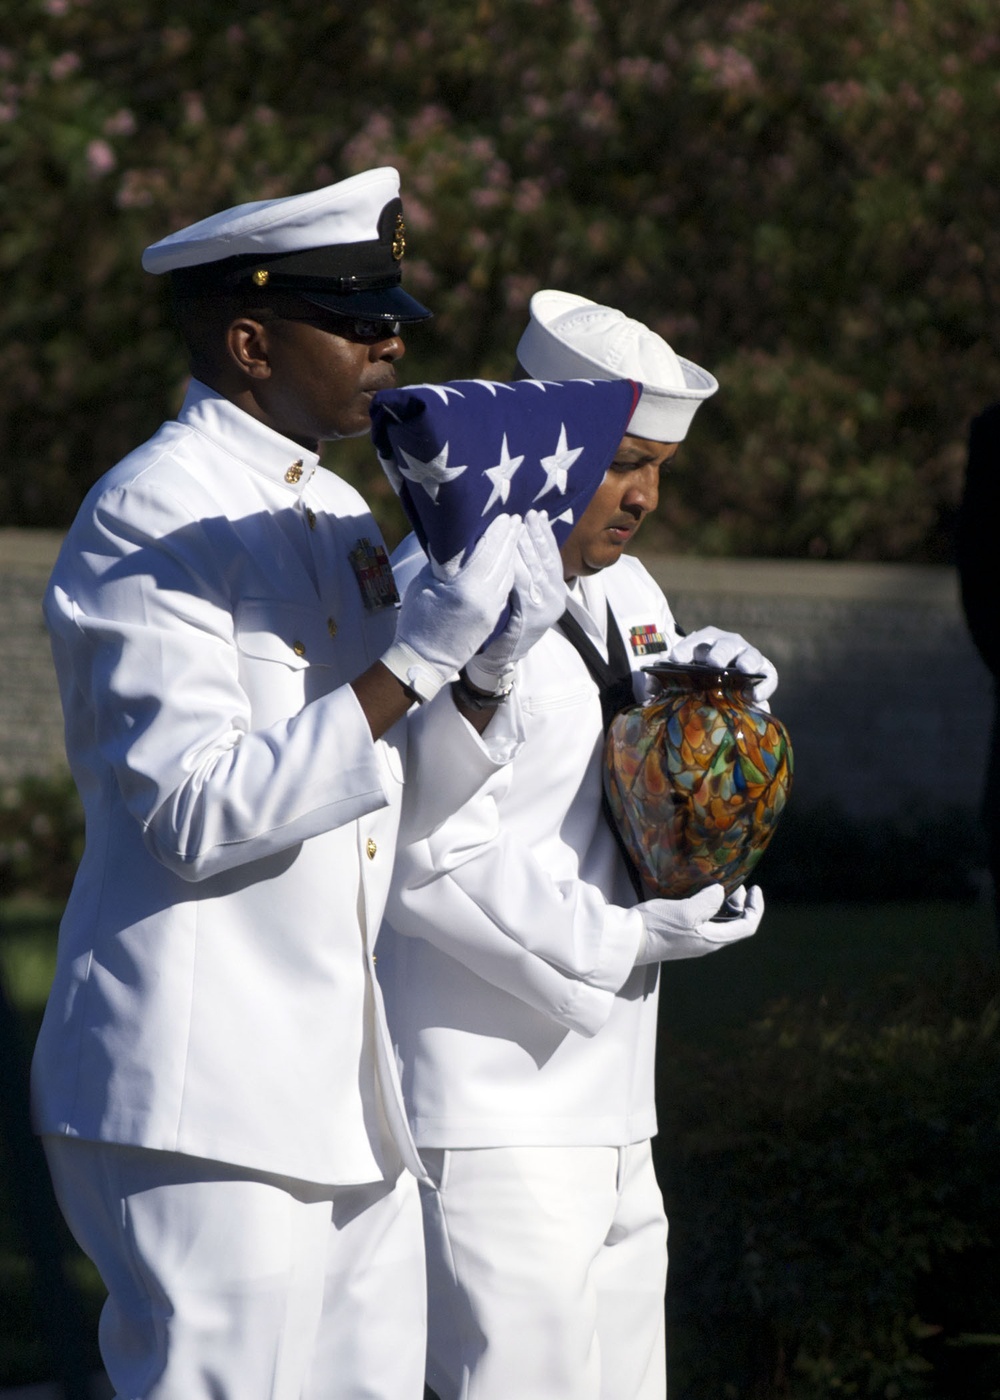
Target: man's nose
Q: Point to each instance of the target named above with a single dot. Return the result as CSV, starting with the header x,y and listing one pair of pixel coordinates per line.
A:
x,y
643,490
392,348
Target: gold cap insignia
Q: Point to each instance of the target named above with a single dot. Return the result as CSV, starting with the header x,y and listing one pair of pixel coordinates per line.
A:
x,y
399,239
260,277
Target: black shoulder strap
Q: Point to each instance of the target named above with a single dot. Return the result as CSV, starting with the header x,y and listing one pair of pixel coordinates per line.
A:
x,y
614,685
614,676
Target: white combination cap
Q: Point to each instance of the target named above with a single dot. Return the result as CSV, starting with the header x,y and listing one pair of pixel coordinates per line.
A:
x,y
570,337
339,247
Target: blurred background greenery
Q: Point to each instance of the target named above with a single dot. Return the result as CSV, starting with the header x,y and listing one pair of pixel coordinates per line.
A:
x,y
801,196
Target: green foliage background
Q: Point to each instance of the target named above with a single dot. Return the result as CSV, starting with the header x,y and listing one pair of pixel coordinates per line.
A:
x,y
803,197
832,1192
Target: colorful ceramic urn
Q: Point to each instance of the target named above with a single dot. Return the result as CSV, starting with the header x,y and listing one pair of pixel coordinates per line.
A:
x,y
696,779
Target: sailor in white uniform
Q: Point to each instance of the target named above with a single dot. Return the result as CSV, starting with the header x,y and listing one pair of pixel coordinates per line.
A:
x,y
213,1078
519,971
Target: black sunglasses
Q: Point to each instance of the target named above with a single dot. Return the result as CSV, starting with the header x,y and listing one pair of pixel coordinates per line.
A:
x,y
368,332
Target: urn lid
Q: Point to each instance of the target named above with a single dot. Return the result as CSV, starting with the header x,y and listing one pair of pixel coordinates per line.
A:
x,y
692,676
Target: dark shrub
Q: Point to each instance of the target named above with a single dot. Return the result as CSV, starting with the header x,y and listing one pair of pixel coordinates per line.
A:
x,y
833,1184
41,836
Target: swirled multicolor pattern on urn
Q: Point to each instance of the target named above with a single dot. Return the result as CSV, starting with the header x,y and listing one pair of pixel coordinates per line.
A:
x,y
696,779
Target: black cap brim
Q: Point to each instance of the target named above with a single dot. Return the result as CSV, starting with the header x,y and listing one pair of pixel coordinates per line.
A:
x,y
377,303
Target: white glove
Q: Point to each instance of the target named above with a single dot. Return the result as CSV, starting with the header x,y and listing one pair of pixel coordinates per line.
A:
x,y
711,647
538,601
682,928
449,610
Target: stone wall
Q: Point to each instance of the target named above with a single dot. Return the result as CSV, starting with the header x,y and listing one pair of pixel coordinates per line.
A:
x,y
31,734
887,702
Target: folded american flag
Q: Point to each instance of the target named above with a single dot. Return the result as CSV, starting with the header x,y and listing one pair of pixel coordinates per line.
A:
x,y
459,454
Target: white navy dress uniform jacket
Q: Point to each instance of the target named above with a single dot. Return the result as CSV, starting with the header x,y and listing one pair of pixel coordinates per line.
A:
x,y
214,994
517,1013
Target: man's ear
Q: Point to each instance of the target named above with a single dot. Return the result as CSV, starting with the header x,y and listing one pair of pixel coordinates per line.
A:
x,y
247,346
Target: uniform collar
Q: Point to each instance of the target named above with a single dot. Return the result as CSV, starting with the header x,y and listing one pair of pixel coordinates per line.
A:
x,y
285,463
587,602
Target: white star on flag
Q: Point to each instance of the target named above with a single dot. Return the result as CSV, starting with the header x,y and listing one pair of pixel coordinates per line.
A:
x,y
493,385
501,474
556,467
430,475
442,391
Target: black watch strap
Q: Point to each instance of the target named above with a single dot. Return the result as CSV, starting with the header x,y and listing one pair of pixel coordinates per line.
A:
x,y
477,699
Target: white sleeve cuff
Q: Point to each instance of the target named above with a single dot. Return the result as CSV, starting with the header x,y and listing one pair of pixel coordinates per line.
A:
x,y
448,762
623,941
412,670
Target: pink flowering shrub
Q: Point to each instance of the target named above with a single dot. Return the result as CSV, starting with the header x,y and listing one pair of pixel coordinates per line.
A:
x,y
803,198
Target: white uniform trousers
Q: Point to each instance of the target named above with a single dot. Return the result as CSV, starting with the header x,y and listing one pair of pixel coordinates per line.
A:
x,y
228,1284
546,1273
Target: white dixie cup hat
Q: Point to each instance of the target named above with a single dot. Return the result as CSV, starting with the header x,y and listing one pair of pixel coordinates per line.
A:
x,y
570,337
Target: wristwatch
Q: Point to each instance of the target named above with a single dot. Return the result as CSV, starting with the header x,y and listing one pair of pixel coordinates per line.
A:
x,y
477,699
